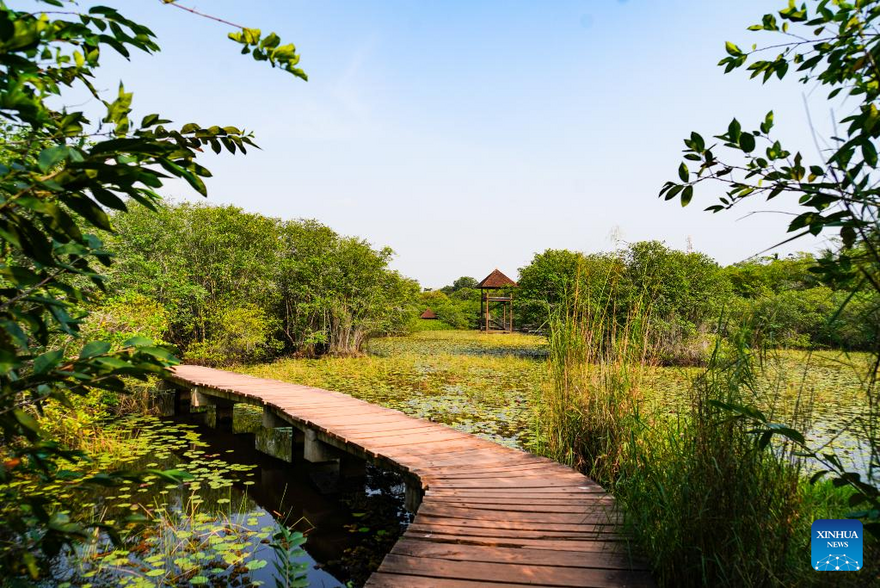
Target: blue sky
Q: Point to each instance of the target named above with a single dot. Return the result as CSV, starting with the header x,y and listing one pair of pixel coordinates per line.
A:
x,y
470,135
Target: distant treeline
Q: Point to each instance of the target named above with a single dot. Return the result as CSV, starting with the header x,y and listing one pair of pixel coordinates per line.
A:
x,y
687,297
223,285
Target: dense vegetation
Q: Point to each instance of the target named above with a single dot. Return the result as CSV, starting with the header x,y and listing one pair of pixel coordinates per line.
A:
x,y
458,305
783,298
691,299
104,285
59,175
717,493
238,286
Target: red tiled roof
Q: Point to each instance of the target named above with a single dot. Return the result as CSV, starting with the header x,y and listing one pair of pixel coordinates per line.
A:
x,y
496,280
428,314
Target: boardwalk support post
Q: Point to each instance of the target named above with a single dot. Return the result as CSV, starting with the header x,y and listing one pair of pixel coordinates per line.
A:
x,y
219,411
316,451
413,497
182,401
277,437
272,420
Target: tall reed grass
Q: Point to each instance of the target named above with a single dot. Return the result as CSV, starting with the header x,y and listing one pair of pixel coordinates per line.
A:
x,y
708,504
706,501
591,405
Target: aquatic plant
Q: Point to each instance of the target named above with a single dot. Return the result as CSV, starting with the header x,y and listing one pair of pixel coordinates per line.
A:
x,y
290,572
205,531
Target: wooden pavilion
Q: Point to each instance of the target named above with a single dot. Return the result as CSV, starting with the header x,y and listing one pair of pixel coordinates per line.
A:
x,y
428,315
491,300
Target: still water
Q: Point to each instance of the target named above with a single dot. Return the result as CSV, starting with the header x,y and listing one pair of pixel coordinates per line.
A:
x,y
218,527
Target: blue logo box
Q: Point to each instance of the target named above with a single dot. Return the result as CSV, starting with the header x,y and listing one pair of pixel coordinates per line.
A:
x,y
836,545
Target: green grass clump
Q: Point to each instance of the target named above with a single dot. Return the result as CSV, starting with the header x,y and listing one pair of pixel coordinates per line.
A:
x,y
707,503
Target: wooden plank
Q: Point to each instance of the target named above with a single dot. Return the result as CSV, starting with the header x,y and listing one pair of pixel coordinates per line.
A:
x,y
372,418
526,529
510,572
416,441
516,483
512,466
501,500
410,428
383,580
528,556
565,507
578,545
579,491
381,432
598,516
543,474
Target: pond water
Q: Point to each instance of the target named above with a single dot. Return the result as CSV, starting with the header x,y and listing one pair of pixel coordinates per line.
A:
x,y
490,385
818,393
218,527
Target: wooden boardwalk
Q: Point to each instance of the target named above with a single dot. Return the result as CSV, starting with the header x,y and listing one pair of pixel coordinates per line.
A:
x,y
490,516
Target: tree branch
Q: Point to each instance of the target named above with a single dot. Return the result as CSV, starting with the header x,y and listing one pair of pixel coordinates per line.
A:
x,y
202,14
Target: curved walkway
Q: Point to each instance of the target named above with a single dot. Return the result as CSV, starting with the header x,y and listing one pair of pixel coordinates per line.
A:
x,y
490,516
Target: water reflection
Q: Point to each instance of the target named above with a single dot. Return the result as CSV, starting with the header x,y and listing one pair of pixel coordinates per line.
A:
x,y
216,528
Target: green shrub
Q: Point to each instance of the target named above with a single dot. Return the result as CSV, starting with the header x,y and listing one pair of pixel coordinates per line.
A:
x,y
321,291
127,315
417,325
456,311
686,290
237,335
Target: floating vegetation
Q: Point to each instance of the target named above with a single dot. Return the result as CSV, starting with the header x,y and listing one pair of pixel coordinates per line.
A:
x,y
488,385
461,343
487,393
206,530
824,385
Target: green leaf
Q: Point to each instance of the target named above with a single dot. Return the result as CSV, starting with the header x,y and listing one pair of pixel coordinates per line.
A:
x,y
47,361
108,198
817,476
158,353
51,157
869,152
26,420
20,276
747,142
686,195
683,172
732,49
734,130
190,177
256,564
768,123
137,341
786,431
112,362
94,348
